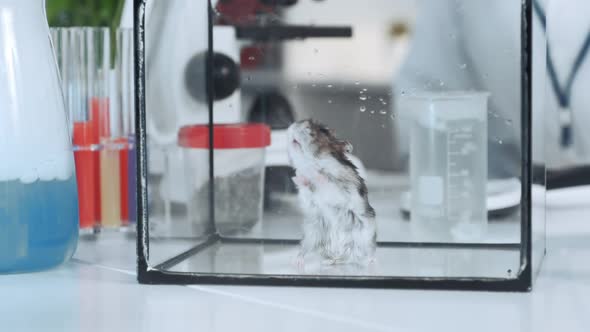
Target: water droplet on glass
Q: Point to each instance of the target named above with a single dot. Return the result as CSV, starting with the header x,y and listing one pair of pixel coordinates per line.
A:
x,y
392,116
382,126
329,86
363,97
383,112
495,115
363,108
365,89
509,122
403,93
251,58
372,112
463,66
441,83
357,83
329,101
314,85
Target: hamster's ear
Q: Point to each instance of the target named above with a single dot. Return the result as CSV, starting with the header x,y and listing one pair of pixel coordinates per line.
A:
x,y
347,147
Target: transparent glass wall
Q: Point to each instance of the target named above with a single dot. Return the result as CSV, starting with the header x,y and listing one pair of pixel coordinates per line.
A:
x,y
540,93
411,165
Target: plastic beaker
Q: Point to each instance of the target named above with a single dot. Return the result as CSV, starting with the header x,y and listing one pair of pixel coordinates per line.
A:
x,y
448,165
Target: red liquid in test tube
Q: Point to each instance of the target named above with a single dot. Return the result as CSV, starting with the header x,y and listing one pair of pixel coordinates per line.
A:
x,y
86,159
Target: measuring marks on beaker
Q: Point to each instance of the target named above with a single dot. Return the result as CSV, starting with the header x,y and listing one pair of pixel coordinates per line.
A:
x,y
466,172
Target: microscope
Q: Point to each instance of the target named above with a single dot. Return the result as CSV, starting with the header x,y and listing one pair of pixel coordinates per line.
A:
x,y
272,62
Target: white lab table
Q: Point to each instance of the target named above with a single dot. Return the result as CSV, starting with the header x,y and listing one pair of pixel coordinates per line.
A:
x,y
92,293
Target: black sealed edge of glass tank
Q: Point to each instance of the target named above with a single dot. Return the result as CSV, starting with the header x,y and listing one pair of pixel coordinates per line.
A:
x,y
154,275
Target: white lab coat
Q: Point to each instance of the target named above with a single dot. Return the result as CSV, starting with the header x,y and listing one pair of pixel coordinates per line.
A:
x,y
487,41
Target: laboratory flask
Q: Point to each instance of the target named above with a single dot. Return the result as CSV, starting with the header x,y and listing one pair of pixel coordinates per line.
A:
x,y
38,197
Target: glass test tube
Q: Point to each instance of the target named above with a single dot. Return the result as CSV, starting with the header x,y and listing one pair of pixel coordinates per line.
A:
x,y
126,104
73,57
105,111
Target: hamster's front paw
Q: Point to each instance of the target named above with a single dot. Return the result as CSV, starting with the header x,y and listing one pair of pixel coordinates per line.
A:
x,y
300,181
320,178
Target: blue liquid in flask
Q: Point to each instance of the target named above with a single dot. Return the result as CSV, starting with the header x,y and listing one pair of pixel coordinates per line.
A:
x,y
38,224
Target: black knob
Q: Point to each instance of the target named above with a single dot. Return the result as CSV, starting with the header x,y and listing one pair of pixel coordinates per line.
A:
x,y
272,109
225,76
283,3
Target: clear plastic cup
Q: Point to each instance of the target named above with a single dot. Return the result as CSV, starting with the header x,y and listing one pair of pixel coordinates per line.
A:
x,y
239,153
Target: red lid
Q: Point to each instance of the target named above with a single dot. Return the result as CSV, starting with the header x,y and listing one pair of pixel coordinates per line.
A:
x,y
225,136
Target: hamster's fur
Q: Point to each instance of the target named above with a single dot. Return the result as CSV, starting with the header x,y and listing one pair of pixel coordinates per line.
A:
x,y
339,221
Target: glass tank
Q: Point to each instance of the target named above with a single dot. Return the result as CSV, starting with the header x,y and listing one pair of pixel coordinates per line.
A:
x,y
383,143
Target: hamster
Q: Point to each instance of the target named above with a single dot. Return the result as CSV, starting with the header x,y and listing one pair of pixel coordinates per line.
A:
x,y
339,221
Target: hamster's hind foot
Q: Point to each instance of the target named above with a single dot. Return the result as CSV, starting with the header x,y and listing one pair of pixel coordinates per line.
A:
x,y
337,261
333,262
372,261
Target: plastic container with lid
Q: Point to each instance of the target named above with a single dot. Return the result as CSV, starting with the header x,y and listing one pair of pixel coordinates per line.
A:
x,y
238,168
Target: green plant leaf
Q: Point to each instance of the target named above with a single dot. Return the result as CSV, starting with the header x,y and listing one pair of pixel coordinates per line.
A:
x,y
83,12
67,13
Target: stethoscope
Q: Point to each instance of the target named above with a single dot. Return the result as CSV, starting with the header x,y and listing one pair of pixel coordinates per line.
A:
x,y
563,93
569,185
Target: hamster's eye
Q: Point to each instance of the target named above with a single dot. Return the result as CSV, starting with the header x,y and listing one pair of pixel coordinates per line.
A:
x,y
325,131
